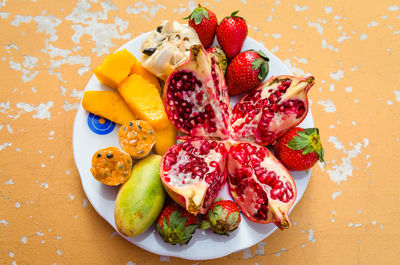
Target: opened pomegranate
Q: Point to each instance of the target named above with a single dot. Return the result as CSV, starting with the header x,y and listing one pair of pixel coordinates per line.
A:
x,y
196,98
261,186
267,112
194,172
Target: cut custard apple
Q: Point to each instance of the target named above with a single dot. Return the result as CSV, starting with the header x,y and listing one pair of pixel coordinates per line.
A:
x,y
166,47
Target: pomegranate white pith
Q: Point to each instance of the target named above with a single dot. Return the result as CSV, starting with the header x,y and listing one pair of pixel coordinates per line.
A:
x,y
194,172
267,112
196,98
261,186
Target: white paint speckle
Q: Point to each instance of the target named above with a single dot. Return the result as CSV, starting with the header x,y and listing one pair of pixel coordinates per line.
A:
x,y
58,237
311,237
4,15
389,102
24,239
294,69
130,263
328,105
328,9
165,259
374,222
17,205
90,23
393,8
4,145
349,89
247,253
397,94
84,203
337,75
275,49
326,45
336,194
363,36
373,24
67,106
354,123
316,25
4,222
9,182
43,165
59,252
260,249
44,185
72,197
300,8
26,68
278,254
354,225
276,35
301,60
339,173
42,110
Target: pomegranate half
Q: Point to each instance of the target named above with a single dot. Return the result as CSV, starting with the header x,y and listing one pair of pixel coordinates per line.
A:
x,y
193,172
267,112
261,186
196,97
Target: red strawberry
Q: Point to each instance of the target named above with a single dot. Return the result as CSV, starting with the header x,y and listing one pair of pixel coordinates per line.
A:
x,y
176,225
231,34
222,217
246,72
220,56
299,149
204,22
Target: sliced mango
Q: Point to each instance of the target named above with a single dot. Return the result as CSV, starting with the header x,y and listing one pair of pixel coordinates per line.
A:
x,y
144,100
137,68
165,139
115,68
109,105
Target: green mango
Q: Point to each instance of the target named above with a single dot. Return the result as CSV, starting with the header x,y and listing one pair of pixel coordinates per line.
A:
x,y
141,198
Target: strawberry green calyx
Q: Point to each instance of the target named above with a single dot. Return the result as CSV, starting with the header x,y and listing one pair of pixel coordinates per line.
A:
x,y
198,14
221,221
308,141
262,64
175,231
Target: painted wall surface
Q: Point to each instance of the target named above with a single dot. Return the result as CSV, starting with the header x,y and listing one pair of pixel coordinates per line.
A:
x,y
350,211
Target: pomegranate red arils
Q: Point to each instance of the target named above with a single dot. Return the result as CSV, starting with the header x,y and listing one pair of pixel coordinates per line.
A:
x,y
261,186
196,98
267,112
194,172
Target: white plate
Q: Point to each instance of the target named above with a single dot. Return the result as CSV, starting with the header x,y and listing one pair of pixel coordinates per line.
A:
x,y
102,197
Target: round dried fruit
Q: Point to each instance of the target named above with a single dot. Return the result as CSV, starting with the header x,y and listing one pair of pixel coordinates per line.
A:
x,y
137,138
111,166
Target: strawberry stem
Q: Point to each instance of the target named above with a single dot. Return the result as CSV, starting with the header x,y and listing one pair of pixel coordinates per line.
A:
x,y
308,141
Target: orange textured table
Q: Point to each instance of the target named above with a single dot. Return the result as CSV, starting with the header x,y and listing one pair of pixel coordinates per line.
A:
x,y
350,211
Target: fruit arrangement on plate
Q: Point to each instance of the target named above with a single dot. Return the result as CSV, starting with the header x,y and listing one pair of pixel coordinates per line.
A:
x,y
181,141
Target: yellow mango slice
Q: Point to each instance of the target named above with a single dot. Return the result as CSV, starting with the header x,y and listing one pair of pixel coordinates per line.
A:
x,y
109,105
137,68
165,139
144,100
115,68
